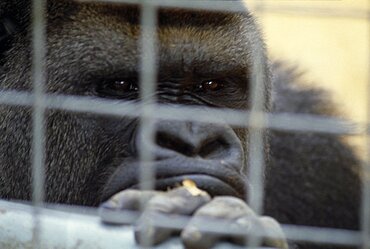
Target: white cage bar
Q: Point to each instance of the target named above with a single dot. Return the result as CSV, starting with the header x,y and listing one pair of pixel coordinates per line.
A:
x,y
38,141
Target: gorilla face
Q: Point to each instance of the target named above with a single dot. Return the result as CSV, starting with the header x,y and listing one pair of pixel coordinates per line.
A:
x,y
93,50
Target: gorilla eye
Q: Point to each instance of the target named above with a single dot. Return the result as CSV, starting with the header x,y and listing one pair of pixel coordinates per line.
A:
x,y
117,88
123,85
211,85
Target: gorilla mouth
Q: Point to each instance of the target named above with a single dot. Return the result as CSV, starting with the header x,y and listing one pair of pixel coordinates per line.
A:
x,y
212,185
214,178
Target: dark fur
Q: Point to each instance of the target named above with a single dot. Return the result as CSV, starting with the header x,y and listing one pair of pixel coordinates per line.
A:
x,y
311,179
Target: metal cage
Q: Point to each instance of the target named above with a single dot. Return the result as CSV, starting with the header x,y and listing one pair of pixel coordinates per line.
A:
x,y
47,226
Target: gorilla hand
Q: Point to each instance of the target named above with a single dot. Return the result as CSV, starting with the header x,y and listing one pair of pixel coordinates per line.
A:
x,y
207,215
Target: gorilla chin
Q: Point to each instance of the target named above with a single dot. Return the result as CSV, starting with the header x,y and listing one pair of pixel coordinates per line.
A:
x,y
217,177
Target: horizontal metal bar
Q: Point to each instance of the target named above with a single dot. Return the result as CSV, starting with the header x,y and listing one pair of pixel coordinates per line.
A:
x,y
67,227
320,235
66,230
232,6
323,12
189,4
275,121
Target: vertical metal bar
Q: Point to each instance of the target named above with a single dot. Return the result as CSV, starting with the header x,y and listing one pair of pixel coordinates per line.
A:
x,y
256,161
147,93
365,207
148,76
38,140
258,124
256,146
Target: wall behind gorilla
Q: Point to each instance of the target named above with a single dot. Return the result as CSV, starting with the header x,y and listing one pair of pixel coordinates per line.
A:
x,y
329,40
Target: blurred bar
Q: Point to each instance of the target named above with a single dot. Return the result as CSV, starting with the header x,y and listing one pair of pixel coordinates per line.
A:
x,y
69,226
365,208
275,121
38,140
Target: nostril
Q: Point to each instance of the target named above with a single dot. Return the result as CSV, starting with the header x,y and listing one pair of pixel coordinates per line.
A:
x,y
174,143
215,148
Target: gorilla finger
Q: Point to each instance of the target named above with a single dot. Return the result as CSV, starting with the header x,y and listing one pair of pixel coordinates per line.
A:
x,y
181,200
151,227
225,207
209,222
274,234
266,229
129,200
193,238
147,233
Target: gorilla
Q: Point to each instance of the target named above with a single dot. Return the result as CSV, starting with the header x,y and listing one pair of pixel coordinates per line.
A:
x,y
205,60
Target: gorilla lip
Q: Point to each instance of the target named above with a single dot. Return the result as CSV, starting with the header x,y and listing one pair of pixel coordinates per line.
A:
x,y
212,185
212,177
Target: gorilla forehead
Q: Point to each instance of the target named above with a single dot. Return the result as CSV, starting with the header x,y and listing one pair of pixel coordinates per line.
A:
x,y
99,32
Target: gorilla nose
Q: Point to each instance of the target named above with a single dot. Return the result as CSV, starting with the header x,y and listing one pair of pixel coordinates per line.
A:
x,y
210,155
197,140
179,143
